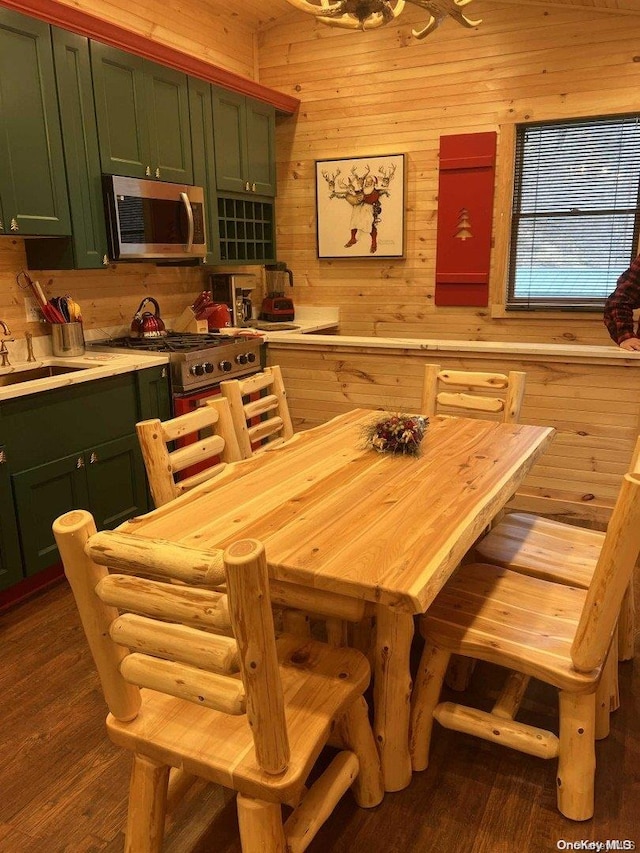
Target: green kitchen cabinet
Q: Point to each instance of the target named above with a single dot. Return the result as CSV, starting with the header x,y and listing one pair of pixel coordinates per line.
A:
x,y
10,560
154,398
244,135
87,247
143,116
75,448
204,168
33,185
108,480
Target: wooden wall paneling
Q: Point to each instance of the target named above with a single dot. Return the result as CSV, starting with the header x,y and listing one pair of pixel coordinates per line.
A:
x,y
542,62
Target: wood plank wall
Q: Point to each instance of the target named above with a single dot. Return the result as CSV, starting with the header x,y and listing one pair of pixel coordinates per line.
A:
x,y
384,92
590,402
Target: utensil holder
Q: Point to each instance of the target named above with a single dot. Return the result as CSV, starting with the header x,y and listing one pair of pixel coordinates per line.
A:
x,y
67,339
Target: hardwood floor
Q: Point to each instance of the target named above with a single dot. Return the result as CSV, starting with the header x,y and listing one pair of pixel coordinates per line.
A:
x,y
63,786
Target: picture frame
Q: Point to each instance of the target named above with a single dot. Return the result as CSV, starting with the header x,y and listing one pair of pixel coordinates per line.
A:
x,y
360,207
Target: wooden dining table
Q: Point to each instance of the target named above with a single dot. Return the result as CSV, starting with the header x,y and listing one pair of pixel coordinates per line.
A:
x,y
379,531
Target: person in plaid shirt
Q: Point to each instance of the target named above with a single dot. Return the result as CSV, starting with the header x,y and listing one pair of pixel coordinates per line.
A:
x,y
619,307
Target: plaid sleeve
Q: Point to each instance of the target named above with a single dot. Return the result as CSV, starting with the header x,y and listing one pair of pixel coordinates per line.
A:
x,y
619,307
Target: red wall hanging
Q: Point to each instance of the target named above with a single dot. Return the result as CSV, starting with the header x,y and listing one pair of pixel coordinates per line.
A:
x,y
465,211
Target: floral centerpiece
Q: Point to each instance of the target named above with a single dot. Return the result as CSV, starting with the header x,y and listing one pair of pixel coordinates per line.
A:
x,y
397,434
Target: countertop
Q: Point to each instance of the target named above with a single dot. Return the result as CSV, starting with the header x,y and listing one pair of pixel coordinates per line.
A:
x,y
535,350
88,367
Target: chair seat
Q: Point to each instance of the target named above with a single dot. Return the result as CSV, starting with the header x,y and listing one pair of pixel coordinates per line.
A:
x,y
514,620
318,682
543,548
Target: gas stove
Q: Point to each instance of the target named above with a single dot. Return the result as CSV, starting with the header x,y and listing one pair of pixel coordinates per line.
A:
x,y
196,361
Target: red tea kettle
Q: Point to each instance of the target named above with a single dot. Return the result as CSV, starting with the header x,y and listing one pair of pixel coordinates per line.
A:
x,y
145,324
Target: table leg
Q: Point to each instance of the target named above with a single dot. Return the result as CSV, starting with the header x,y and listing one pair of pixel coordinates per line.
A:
x,y
392,695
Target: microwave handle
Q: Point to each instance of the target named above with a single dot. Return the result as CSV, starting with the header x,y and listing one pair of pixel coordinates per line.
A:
x,y
187,204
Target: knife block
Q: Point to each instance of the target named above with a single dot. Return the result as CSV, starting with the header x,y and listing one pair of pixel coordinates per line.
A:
x,y
187,322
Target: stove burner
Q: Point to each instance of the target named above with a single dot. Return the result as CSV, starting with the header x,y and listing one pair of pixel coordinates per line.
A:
x,y
173,342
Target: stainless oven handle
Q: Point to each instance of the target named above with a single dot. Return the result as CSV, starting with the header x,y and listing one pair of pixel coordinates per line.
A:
x,y
187,204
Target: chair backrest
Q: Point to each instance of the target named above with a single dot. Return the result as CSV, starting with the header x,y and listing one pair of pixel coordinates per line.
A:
x,y
611,577
179,638
464,392
259,410
204,438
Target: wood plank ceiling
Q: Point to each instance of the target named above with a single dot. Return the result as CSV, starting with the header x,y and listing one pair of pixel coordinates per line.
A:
x,y
258,14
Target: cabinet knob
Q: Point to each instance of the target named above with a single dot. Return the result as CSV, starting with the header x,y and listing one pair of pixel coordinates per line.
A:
x,y
163,375
14,224
1,225
3,457
247,186
157,173
147,171
105,260
80,462
253,187
93,459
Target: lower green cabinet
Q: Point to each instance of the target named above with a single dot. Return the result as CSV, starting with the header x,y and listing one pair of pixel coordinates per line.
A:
x,y
10,562
72,448
107,479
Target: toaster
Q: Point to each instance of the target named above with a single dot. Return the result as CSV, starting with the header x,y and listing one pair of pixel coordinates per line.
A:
x,y
277,308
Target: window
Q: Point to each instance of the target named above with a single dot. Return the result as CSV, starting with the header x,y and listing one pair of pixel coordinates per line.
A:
x,y
575,219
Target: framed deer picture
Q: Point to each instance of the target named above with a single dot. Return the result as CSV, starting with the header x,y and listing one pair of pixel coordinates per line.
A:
x,y
360,207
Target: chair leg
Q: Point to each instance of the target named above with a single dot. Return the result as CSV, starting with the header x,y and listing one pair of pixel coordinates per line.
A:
x,y
355,731
261,829
627,626
576,755
336,632
607,692
147,806
426,693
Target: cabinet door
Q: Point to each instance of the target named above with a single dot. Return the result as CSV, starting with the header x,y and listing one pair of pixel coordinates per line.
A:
x,y
261,156
230,140
116,481
32,175
41,495
10,559
118,81
154,400
87,247
204,170
167,101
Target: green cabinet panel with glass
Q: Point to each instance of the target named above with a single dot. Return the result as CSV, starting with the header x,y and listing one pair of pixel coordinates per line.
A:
x,y
33,186
143,116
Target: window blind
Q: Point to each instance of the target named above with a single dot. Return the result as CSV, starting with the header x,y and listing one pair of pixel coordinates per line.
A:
x,y
575,218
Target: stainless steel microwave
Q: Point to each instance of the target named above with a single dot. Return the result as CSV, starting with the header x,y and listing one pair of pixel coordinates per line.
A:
x,y
149,220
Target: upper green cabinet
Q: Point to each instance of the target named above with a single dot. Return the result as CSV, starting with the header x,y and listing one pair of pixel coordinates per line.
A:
x,y
244,134
143,117
32,173
87,246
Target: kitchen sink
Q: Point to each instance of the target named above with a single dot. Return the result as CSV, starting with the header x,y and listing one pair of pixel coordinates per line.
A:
x,y
29,375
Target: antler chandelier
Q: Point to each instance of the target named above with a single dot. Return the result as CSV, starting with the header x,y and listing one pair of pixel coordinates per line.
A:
x,y
369,14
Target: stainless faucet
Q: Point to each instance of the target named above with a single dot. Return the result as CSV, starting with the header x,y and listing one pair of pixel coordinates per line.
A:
x,y
4,352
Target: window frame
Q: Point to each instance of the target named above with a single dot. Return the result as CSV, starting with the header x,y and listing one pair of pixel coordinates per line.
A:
x,y
500,304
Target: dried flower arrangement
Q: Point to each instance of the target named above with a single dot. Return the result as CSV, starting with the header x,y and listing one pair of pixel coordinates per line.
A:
x,y
397,434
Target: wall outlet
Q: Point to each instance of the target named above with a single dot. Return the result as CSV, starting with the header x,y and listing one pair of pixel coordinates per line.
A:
x,y
32,312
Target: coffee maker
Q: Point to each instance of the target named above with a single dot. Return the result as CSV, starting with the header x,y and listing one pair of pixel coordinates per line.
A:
x,y
232,290
277,307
